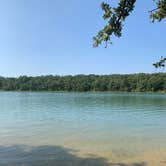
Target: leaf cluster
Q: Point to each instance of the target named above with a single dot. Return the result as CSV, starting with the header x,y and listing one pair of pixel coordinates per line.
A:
x,y
160,64
160,12
115,16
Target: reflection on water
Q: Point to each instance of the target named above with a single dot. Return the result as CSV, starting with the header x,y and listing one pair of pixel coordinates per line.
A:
x,y
108,125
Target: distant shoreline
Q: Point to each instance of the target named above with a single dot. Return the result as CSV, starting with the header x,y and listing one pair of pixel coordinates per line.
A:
x,y
92,92
129,83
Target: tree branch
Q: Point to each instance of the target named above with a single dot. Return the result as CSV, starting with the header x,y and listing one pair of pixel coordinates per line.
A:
x,y
154,10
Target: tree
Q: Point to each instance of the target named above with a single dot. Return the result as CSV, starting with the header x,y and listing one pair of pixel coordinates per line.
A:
x,y
84,83
115,17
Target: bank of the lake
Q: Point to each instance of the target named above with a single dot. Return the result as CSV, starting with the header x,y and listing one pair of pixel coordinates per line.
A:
x,y
85,83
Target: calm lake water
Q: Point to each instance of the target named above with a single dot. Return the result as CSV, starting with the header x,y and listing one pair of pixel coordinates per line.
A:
x,y
70,129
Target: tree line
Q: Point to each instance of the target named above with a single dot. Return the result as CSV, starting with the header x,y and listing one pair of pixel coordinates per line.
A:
x,y
83,83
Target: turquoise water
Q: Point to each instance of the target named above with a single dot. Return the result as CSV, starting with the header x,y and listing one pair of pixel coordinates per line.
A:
x,y
97,124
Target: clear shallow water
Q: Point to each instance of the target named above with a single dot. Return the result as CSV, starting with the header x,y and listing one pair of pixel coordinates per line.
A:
x,y
102,124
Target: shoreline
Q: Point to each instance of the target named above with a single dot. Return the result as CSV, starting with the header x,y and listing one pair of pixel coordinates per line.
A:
x,y
98,92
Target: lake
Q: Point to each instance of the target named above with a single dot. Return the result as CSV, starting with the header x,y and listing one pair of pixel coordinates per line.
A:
x,y
82,129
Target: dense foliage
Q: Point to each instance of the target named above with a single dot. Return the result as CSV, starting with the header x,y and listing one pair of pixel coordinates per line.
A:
x,y
127,83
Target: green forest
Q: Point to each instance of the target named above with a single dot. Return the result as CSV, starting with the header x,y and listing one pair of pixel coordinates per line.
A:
x,y
83,83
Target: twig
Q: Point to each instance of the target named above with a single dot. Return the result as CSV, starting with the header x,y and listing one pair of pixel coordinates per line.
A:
x,y
154,10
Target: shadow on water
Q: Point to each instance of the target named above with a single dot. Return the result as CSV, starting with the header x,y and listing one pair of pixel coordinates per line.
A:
x,y
20,155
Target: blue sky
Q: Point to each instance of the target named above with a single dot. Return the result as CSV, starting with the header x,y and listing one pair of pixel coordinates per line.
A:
x,y
40,37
